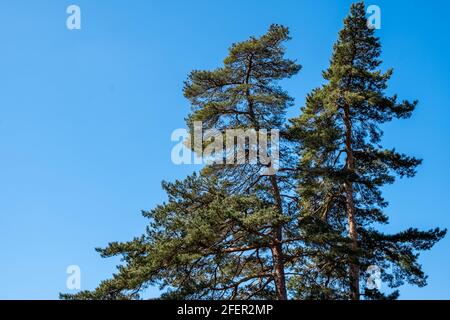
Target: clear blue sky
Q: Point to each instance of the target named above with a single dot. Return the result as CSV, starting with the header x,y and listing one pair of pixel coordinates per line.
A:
x,y
86,118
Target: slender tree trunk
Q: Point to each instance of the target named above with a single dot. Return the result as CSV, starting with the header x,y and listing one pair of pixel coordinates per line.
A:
x,y
350,206
277,257
276,247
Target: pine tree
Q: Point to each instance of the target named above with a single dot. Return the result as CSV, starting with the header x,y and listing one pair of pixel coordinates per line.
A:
x,y
222,233
243,94
343,167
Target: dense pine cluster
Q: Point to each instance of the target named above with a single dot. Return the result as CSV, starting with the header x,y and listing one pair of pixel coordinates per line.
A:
x,y
308,231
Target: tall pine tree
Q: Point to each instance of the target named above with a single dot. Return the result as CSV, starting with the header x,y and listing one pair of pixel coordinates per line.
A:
x,y
224,233
343,168
244,95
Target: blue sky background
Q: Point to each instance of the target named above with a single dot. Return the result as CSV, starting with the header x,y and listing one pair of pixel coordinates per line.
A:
x,y
86,118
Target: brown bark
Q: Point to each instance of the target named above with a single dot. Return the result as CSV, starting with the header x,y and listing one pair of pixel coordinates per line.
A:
x,y
350,206
276,247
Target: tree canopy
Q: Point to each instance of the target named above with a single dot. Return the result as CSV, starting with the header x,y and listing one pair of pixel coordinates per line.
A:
x,y
306,229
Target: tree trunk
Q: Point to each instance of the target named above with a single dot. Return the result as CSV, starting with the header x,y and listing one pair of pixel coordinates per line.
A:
x,y
277,257
276,247
350,206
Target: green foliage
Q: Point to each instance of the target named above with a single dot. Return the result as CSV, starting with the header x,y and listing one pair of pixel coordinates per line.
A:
x,y
243,93
231,233
354,81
